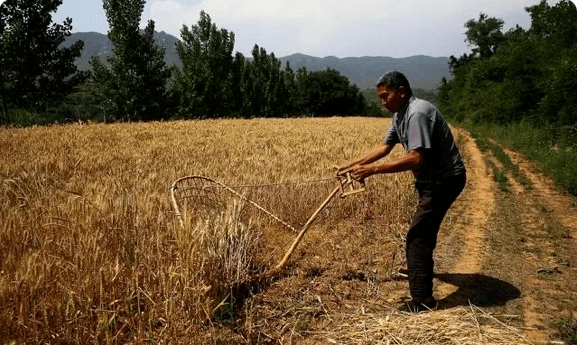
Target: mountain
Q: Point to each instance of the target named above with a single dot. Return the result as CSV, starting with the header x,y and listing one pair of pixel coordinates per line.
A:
x,y
424,72
97,44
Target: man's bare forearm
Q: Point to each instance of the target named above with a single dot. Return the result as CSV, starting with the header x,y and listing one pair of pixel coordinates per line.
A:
x,y
410,162
374,155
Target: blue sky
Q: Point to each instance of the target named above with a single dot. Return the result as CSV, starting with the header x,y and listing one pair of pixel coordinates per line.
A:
x,y
341,28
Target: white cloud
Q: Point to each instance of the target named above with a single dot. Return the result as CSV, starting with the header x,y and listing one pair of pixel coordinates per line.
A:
x,y
168,16
342,27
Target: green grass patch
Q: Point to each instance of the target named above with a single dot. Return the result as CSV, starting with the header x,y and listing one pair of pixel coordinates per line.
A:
x,y
509,165
553,149
499,176
566,330
480,140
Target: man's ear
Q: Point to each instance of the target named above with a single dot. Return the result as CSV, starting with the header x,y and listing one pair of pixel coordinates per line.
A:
x,y
402,91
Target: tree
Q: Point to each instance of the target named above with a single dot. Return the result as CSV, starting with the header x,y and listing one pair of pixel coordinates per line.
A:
x,y
484,35
271,85
288,92
519,75
134,85
236,94
553,31
204,81
35,72
556,25
327,92
455,63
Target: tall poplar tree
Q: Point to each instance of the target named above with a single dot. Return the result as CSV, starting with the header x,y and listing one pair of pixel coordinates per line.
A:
x,y
134,84
207,62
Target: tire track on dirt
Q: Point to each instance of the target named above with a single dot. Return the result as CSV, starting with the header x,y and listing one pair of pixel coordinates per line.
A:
x,y
469,217
563,206
537,253
547,221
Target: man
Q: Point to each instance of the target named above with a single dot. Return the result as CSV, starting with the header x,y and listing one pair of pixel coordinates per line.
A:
x,y
435,161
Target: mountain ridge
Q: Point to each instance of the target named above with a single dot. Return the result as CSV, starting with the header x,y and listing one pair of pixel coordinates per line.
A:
x,y
424,72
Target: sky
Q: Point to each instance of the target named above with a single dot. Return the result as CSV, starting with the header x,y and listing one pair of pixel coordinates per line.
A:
x,y
341,28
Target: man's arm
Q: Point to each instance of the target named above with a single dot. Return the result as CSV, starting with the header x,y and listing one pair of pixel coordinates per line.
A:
x,y
411,161
373,155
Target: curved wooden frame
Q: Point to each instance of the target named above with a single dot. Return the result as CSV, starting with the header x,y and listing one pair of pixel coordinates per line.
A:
x,y
345,187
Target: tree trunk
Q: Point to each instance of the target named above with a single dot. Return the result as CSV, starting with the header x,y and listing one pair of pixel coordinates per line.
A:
x,y
4,106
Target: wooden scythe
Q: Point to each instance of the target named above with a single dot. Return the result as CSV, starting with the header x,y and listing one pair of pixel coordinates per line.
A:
x,y
344,182
345,187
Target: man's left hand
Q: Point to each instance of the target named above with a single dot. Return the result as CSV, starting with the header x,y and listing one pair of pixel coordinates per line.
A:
x,y
361,172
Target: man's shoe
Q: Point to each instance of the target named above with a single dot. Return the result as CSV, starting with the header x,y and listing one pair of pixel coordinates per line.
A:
x,y
414,306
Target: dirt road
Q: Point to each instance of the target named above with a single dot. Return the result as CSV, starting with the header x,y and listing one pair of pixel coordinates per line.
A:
x,y
518,247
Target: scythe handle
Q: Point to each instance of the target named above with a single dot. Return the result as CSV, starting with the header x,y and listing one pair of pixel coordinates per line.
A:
x,y
299,237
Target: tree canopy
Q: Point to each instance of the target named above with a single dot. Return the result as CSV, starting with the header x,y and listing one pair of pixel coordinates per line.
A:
x,y
204,81
35,71
133,86
518,75
214,83
484,35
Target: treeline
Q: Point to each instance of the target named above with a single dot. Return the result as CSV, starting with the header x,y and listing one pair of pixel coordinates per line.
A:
x,y
39,82
214,83
518,76
518,87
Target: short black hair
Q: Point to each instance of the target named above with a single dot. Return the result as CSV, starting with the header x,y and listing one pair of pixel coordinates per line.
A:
x,y
395,79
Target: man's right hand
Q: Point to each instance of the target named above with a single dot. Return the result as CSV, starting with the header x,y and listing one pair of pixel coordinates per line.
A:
x,y
343,169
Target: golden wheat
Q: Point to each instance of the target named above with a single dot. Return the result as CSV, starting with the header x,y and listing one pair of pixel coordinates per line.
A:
x,y
91,252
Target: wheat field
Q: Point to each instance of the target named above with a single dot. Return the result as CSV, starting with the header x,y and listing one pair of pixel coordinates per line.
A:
x,y
91,250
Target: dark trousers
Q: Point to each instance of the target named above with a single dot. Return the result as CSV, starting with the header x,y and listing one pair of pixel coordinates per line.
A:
x,y
435,198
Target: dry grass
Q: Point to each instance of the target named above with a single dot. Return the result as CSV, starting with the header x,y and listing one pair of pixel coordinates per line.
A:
x,y
462,326
91,252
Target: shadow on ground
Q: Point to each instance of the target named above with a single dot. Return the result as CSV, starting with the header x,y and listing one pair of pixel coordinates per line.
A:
x,y
477,289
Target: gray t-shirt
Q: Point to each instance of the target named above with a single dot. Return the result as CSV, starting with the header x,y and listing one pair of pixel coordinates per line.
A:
x,y
420,125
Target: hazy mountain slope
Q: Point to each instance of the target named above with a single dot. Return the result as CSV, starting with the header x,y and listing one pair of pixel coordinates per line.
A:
x,y
97,44
424,72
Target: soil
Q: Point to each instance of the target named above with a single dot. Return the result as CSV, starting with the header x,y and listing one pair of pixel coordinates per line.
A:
x,y
510,252
524,239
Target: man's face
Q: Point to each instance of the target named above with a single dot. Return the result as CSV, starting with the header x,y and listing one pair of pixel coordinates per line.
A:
x,y
390,98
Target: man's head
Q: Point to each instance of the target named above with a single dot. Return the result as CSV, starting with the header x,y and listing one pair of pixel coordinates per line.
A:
x,y
393,90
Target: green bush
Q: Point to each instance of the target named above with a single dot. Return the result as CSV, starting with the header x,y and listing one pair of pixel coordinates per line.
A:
x,y
24,118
